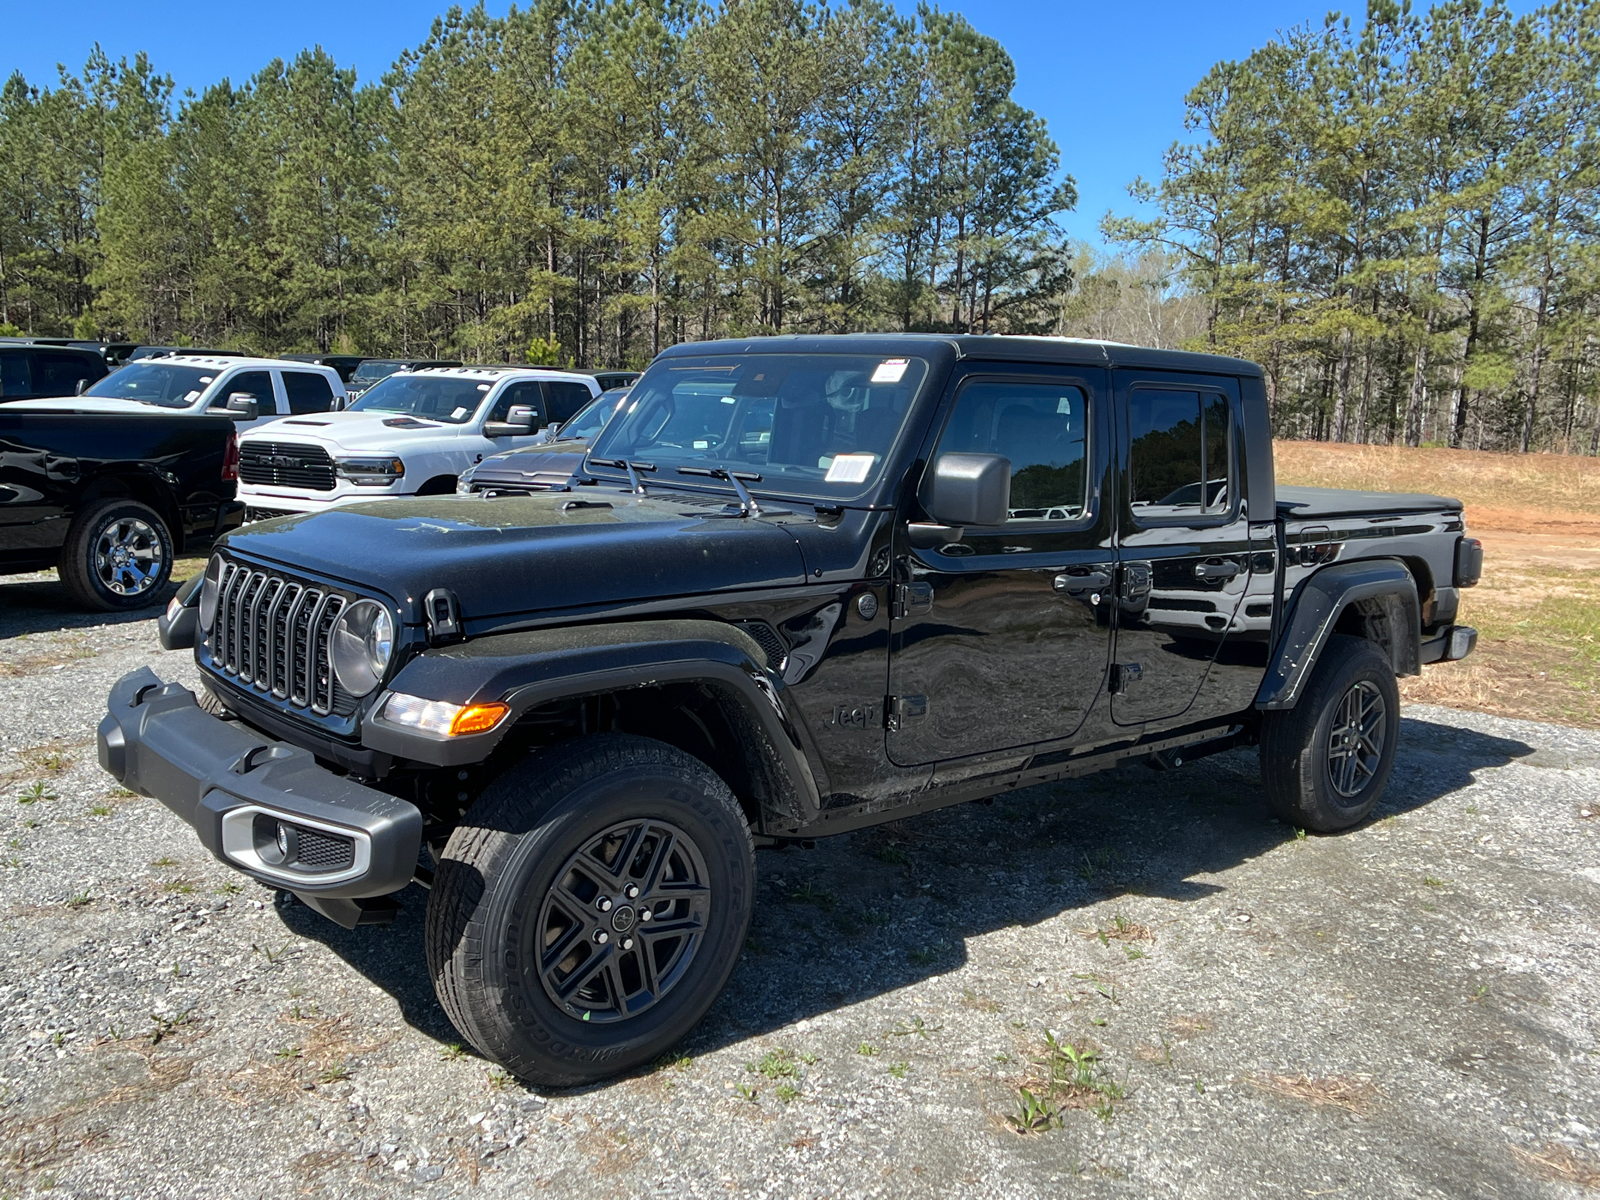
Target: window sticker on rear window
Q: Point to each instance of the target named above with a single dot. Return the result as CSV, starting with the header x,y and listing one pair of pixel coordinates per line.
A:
x,y
890,370
852,468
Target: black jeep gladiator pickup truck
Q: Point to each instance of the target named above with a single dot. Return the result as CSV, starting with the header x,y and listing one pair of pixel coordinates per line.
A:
x,y
801,586
110,498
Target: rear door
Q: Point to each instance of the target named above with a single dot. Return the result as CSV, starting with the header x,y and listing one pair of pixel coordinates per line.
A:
x,y
1184,560
565,399
999,639
307,392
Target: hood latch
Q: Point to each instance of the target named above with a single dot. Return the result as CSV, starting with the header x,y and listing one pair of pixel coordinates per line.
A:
x,y
444,616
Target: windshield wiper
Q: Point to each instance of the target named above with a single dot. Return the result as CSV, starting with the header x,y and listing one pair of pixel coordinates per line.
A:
x,y
632,468
747,502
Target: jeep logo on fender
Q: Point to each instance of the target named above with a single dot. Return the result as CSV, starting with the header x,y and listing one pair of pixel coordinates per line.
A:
x,y
860,716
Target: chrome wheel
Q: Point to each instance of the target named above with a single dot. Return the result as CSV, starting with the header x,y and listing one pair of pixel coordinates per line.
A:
x,y
1355,740
128,557
622,922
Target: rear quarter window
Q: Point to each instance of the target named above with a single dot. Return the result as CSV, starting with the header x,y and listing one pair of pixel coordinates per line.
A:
x,y
308,392
16,377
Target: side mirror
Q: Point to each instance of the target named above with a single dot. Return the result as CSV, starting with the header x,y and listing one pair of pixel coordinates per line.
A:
x,y
518,423
970,489
80,387
242,406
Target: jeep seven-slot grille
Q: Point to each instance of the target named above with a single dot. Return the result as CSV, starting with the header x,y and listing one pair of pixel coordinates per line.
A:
x,y
272,635
286,464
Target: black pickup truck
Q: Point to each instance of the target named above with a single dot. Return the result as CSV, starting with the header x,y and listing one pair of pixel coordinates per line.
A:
x,y
110,498
801,586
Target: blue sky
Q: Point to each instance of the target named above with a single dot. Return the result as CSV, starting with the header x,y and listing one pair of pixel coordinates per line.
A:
x,y
1108,77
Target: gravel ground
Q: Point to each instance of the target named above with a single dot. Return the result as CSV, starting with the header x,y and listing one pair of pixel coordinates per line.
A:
x,y
1404,1010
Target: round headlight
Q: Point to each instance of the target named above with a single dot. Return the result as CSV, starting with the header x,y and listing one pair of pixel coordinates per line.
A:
x,y
208,591
363,639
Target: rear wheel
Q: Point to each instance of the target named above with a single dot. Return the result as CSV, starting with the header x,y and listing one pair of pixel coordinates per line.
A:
x,y
1326,762
118,555
590,907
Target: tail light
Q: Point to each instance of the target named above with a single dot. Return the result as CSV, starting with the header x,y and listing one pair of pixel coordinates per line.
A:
x,y
230,458
1469,561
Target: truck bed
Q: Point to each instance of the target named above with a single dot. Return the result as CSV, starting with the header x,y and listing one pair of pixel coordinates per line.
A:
x,y
1314,503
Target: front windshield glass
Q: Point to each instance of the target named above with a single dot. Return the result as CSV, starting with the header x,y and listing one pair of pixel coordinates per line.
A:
x,y
592,417
817,425
164,384
373,370
430,397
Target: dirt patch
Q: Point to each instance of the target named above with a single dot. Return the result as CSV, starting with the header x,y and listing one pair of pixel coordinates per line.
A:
x,y
1559,1165
1353,1093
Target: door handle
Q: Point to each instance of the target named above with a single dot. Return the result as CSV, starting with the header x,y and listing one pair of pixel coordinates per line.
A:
x,y
1092,581
1216,571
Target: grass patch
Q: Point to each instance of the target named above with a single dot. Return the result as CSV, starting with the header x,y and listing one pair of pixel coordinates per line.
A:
x,y
1064,1076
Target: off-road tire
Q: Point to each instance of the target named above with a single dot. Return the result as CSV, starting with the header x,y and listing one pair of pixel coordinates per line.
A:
x,y
1295,750
501,864
77,568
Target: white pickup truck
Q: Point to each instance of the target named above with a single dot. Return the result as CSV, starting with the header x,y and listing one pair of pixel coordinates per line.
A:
x,y
254,391
412,434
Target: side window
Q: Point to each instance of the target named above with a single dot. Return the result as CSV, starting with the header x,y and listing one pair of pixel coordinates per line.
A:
x,y
308,393
519,395
16,379
566,399
251,383
57,374
1179,463
1042,428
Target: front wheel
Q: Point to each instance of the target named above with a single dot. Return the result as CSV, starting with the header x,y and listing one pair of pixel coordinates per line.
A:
x,y
1325,762
590,907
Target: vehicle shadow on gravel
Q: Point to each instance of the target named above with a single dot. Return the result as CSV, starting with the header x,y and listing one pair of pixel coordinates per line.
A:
x,y
41,605
867,913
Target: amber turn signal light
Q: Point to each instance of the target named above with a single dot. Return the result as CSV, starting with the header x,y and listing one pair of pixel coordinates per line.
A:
x,y
478,718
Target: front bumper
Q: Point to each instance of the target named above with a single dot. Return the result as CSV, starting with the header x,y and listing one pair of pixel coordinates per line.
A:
x,y
282,500
1451,644
341,841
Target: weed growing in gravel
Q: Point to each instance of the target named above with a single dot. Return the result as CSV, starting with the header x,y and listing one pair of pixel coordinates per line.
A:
x,y
672,1060
1120,929
867,1049
1069,1077
164,861
891,854
787,1092
228,889
1433,881
1472,810
916,1027
745,1092
498,1080
334,1074
900,1069
166,1026
180,886
36,791
453,1052
80,899
774,1064
285,1053
100,810
808,893
921,958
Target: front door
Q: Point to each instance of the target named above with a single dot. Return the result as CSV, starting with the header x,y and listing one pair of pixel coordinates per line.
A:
x,y
1000,637
1185,541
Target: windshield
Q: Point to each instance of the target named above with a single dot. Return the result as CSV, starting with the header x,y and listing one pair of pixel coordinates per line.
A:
x,y
375,369
818,425
428,396
592,417
165,384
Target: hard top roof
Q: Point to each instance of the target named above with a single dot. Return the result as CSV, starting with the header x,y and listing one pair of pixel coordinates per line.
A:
x,y
501,370
991,347
225,363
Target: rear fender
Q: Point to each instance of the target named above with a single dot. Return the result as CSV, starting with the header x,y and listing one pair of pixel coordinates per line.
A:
x,y
531,668
1384,595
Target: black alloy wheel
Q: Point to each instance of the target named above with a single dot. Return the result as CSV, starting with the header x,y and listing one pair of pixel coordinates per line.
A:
x,y
1356,739
620,927
589,908
1326,761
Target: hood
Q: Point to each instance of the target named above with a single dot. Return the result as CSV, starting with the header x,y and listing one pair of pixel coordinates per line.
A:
x,y
378,431
552,464
517,555
105,404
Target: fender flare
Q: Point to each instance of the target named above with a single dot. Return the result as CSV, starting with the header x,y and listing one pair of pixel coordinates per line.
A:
x,y
534,667
1317,606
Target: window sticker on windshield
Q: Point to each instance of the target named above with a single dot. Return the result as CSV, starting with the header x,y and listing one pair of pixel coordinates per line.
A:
x,y
702,445
483,387
853,468
191,396
1064,406
729,400
207,378
459,413
889,370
